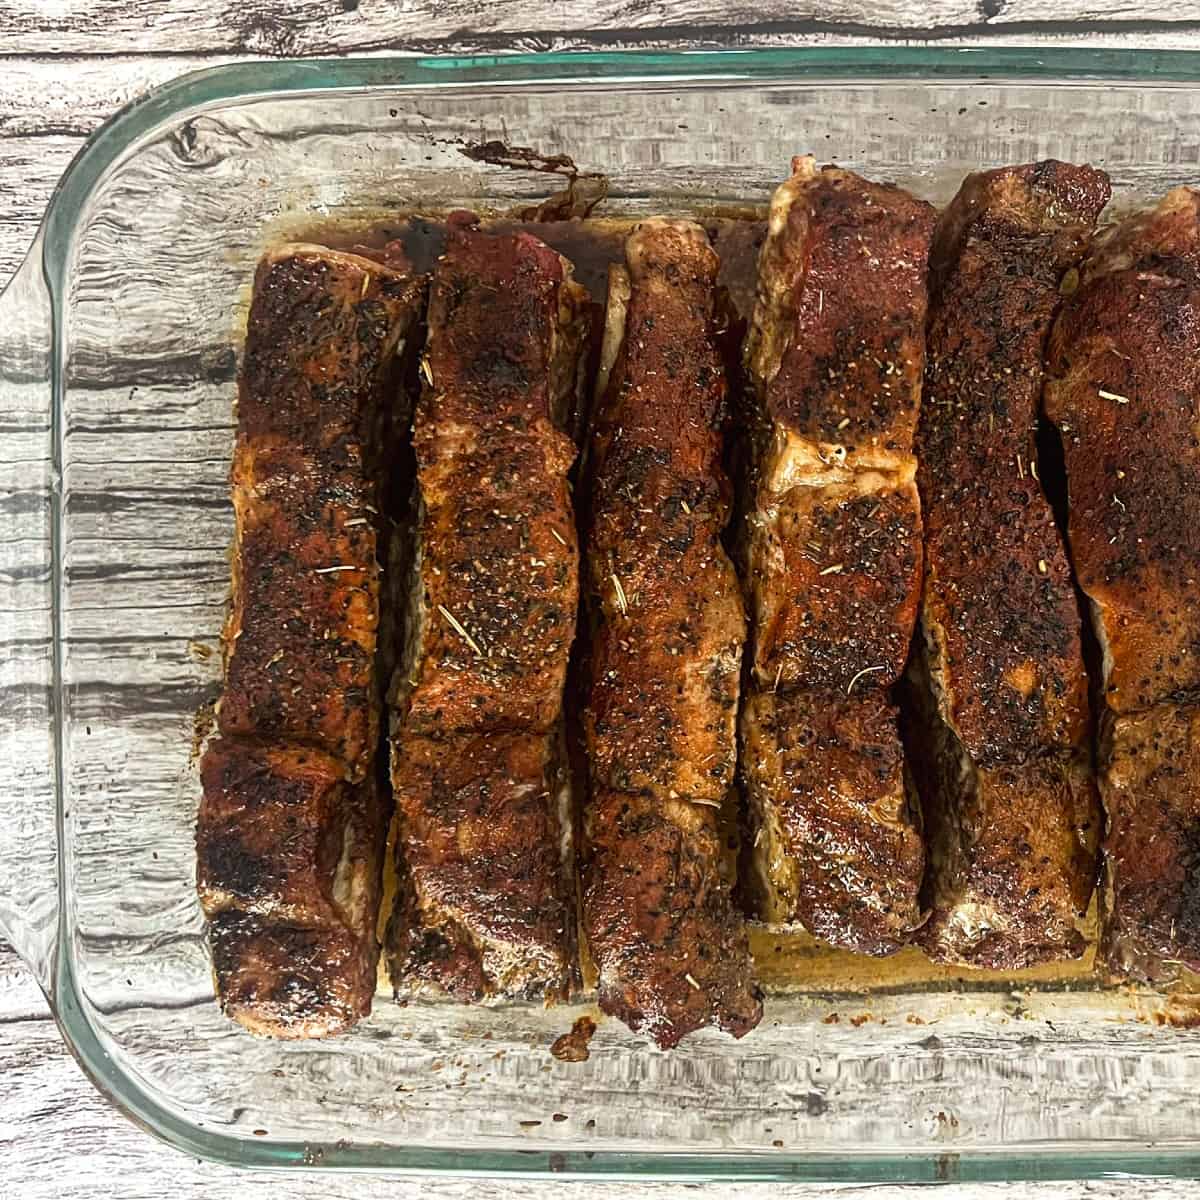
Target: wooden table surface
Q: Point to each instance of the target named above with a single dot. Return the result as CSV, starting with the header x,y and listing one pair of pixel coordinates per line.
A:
x,y
66,65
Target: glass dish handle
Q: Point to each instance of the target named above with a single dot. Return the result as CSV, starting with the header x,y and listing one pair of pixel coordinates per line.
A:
x,y
28,700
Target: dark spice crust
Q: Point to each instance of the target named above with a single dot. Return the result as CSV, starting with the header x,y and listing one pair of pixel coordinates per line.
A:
x,y
840,594
1132,331
1150,902
998,597
288,871
484,909
667,628
315,396
291,827
480,845
827,771
853,257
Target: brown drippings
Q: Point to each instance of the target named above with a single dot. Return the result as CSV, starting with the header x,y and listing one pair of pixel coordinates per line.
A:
x,y
573,1046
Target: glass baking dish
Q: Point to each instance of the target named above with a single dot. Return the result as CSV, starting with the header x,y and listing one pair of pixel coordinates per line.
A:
x,y
118,350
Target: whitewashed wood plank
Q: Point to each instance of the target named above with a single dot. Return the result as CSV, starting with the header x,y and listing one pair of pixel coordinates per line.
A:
x,y
312,27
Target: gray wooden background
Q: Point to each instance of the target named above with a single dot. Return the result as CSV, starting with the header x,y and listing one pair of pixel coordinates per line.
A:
x,y
66,65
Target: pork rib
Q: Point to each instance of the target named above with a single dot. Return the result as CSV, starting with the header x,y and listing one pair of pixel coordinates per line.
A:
x,y
1125,366
666,634
832,555
482,815
1003,763
291,827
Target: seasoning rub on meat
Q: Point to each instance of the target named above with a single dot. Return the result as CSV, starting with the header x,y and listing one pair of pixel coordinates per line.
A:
x,y
831,552
483,841
292,823
1124,392
1001,746
664,654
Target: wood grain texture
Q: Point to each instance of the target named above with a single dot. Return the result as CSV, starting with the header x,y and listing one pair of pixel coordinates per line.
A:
x,y
67,65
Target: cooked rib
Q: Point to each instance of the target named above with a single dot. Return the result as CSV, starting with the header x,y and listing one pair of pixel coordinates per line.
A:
x,y
1125,358
289,855
664,655
483,828
832,555
291,827
1150,900
317,380
837,844
1000,623
1125,365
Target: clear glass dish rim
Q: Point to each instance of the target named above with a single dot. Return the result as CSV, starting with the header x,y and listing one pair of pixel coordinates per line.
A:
x,y
214,86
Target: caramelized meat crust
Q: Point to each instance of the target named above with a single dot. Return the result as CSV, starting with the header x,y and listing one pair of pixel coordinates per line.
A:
x,y
835,352
483,831
1125,376
840,580
317,384
1009,806
1150,902
1125,366
288,859
292,823
832,555
483,817
664,654
838,845
999,606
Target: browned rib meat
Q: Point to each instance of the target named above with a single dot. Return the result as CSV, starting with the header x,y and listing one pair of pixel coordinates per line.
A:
x,y
1125,361
290,831
665,654
289,873
483,829
1009,844
832,549
837,841
316,385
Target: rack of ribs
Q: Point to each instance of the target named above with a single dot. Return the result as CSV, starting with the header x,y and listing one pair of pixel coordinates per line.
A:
x,y
291,828
831,555
664,653
1000,743
1124,361
483,840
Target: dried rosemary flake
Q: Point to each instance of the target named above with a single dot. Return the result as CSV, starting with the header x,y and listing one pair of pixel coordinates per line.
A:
x,y
427,371
331,570
836,569
366,285
1042,568
622,602
558,536
1112,396
462,633
864,671
688,977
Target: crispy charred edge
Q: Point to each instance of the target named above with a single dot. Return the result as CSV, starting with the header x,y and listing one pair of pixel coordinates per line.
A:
x,y
1047,213
773,886
430,953
273,974
1150,933
625,836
